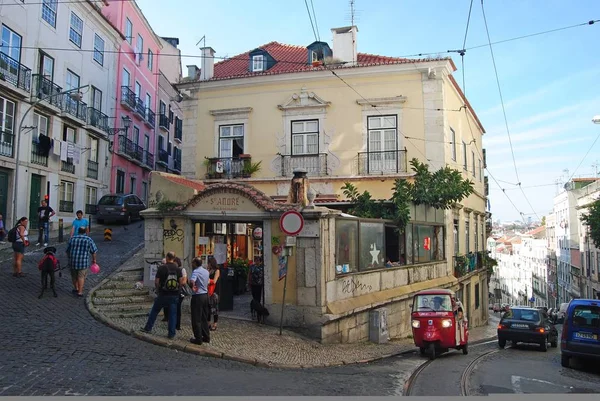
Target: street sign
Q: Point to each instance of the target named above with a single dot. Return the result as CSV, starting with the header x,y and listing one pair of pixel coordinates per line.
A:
x,y
291,222
290,241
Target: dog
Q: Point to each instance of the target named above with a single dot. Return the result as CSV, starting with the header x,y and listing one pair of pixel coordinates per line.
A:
x,y
48,266
258,311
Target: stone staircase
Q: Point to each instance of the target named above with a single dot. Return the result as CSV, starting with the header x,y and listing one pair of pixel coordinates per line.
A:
x,y
119,298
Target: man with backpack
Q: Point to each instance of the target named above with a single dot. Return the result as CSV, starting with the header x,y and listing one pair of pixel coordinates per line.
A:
x,y
168,282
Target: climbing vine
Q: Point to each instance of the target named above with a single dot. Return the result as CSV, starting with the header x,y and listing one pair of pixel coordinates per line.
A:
x,y
592,220
168,205
439,190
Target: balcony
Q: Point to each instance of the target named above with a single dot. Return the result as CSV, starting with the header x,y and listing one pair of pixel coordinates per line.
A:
x,y
128,98
163,157
47,90
97,119
486,187
74,108
315,165
92,169
140,108
163,122
7,144
382,162
179,130
15,73
225,167
90,209
148,159
67,167
177,165
150,118
130,149
37,157
65,206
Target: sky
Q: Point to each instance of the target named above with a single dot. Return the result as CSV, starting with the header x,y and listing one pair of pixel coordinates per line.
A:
x,y
548,82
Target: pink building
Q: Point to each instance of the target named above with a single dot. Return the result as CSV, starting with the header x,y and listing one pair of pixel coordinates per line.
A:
x,y
133,148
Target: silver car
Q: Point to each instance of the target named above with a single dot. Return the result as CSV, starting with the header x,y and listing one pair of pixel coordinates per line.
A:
x,y
119,207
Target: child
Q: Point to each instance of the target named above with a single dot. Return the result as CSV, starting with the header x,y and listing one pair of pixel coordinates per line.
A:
x,y
48,266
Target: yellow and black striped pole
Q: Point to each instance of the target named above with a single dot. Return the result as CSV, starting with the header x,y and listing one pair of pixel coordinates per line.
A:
x,y
108,234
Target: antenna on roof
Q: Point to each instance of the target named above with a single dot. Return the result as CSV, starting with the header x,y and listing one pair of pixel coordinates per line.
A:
x,y
354,14
202,39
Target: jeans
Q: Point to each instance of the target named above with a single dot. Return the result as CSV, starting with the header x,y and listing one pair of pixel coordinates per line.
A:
x,y
44,231
166,312
160,302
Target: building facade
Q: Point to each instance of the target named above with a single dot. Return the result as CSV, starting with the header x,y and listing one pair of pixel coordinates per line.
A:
x,y
590,256
258,117
53,143
551,261
133,148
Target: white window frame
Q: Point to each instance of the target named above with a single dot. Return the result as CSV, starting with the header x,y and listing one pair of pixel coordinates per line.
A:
x,y
148,102
69,77
473,159
150,60
135,135
76,29
94,95
11,49
94,147
41,127
453,140
91,195
147,143
304,133
230,138
137,89
139,44
7,126
128,30
98,49
70,135
65,192
49,9
464,155
128,74
145,191
258,63
384,159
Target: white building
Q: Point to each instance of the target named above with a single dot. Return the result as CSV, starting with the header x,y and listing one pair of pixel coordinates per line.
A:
x,y
590,253
49,47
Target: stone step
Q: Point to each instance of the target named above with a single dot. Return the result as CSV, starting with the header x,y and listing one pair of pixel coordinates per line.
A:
x,y
133,275
119,284
122,300
133,307
117,293
127,315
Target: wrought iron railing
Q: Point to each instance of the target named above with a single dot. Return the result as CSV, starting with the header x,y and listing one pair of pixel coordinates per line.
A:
x,y
128,98
163,156
15,73
179,130
150,117
382,162
67,167
76,108
140,108
163,122
47,90
92,169
97,119
37,156
315,165
7,144
65,206
177,165
225,167
149,159
131,149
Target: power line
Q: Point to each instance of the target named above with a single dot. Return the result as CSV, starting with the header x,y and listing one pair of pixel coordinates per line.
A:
x,y
311,21
61,2
582,160
315,15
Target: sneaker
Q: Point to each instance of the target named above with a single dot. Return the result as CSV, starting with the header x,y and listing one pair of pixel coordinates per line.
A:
x,y
38,244
45,244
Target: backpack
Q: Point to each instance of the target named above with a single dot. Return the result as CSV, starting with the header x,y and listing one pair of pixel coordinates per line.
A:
x,y
171,283
256,275
50,259
12,234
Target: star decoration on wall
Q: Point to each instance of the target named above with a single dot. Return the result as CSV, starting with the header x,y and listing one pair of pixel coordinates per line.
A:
x,y
375,254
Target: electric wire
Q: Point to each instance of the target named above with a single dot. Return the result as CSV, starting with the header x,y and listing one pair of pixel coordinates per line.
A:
x,y
315,17
583,159
311,20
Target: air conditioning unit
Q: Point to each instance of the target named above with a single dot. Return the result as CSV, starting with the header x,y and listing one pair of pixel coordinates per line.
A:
x,y
240,229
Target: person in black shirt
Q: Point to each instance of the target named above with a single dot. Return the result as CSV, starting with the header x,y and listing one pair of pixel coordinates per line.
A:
x,y
44,213
168,282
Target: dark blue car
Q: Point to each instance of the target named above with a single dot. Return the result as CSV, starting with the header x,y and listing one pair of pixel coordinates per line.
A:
x,y
581,331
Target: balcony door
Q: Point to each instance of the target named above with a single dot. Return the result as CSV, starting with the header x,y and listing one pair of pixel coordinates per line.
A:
x,y
96,98
11,44
7,121
382,144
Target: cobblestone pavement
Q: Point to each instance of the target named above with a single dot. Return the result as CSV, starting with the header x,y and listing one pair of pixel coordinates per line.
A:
x,y
53,346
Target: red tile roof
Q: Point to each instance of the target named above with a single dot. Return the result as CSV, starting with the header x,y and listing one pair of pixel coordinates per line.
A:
x,y
291,58
197,185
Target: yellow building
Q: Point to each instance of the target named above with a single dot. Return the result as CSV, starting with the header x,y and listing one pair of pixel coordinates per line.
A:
x,y
345,116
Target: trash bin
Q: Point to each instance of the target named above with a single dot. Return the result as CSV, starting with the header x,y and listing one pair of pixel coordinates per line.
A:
x,y
226,289
378,330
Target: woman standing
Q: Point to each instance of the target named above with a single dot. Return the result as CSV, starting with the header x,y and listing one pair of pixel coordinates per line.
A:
x,y
19,246
213,294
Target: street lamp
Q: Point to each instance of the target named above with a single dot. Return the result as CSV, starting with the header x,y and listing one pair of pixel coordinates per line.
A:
x,y
75,95
114,131
596,119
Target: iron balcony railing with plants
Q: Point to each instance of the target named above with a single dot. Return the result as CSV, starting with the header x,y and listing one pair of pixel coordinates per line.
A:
x,y
150,117
75,108
7,144
37,156
45,89
90,209
15,73
128,97
67,166
177,165
65,206
92,169
140,108
163,122
148,159
382,162
97,119
225,167
315,165
465,264
178,130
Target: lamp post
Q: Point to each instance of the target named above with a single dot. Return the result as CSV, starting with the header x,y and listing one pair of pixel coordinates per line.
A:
x,y
76,96
596,119
114,131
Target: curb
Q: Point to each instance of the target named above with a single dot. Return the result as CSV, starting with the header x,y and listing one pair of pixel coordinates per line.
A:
x,y
201,351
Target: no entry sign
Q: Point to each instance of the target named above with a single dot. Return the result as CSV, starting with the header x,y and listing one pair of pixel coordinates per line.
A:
x,y
291,222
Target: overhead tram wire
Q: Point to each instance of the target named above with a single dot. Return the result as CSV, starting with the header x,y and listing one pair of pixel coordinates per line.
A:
x,y
311,20
315,17
582,160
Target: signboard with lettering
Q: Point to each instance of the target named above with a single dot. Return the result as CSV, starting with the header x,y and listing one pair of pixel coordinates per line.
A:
x,y
225,203
311,229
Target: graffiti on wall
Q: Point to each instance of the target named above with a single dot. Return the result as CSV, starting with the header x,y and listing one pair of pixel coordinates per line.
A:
x,y
175,235
351,284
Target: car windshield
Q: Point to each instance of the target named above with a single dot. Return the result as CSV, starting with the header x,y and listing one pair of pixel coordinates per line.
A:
x,y
586,317
437,303
109,200
523,314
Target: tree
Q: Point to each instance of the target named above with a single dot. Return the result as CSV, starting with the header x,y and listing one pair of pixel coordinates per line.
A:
x,y
592,221
543,220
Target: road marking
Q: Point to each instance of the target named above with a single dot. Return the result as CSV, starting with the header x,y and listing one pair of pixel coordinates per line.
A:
x,y
516,383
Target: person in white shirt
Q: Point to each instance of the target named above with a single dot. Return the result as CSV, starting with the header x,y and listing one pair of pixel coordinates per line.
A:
x,y
199,305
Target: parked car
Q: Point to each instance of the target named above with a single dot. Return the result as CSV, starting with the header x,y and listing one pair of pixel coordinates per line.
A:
x,y
119,207
560,315
581,331
527,325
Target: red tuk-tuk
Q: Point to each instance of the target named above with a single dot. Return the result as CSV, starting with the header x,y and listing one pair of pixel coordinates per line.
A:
x,y
438,322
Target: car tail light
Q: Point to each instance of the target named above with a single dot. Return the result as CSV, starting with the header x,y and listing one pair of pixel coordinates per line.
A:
x,y
541,329
501,326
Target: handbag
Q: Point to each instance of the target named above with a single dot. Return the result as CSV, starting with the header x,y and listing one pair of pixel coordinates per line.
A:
x,y
211,287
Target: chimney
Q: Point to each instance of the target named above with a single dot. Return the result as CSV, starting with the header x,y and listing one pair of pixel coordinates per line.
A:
x,y
299,189
344,44
193,72
207,68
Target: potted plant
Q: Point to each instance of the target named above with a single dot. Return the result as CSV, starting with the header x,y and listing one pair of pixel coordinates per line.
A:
x,y
207,163
250,168
460,265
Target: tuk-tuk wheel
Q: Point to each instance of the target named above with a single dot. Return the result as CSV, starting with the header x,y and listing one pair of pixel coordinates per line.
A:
x,y
422,350
465,349
431,351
